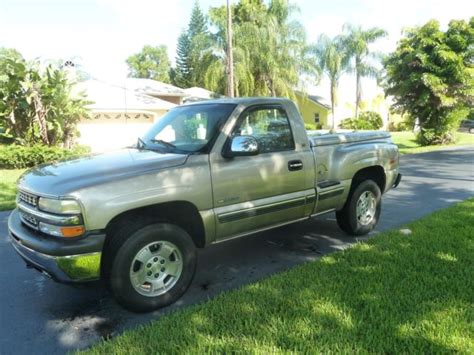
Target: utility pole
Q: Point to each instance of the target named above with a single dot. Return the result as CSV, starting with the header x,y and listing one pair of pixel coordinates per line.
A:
x,y
230,56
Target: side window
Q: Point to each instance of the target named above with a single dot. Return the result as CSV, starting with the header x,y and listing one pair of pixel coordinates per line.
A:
x,y
271,128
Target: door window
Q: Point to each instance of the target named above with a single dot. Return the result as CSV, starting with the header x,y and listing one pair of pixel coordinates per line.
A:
x,y
269,126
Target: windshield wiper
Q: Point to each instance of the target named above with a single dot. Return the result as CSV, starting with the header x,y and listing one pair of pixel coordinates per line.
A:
x,y
140,143
162,142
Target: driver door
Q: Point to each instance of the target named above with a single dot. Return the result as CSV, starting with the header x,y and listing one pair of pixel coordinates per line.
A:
x,y
254,192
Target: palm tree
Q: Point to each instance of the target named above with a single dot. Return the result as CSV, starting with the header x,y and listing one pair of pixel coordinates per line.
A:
x,y
357,41
333,61
268,48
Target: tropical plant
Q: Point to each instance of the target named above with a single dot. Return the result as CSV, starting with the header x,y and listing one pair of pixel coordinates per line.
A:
x,y
37,105
150,63
64,106
332,60
356,42
369,120
431,77
269,49
15,111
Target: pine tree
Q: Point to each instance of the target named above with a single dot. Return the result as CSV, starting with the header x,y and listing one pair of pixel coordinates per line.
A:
x,y
182,72
191,44
198,23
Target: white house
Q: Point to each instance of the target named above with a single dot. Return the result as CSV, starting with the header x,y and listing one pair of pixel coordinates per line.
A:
x,y
118,114
156,89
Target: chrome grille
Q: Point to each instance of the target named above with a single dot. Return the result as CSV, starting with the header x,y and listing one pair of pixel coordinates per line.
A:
x,y
29,219
27,198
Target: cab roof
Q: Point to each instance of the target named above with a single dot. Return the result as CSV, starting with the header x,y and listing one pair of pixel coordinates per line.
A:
x,y
246,101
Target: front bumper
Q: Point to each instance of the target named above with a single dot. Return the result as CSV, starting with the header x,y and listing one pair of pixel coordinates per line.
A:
x,y
397,180
66,261
392,179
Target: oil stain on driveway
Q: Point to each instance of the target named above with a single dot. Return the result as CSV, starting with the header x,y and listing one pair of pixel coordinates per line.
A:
x,y
43,317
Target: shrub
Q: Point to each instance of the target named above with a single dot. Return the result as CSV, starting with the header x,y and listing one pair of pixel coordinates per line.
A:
x,y
429,77
429,136
400,126
19,157
313,126
367,120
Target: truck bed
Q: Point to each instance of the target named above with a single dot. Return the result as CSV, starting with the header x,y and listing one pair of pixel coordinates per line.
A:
x,y
322,138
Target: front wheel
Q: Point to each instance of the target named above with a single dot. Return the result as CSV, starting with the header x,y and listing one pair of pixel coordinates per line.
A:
x,y
153,267
361,212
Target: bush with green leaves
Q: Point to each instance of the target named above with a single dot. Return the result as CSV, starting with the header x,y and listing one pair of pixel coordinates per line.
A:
x,y
313,126
37,105
430,77
368,120
150,63
399,126
19,157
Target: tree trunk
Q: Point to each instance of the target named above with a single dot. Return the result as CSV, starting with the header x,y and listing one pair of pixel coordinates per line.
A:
x,y
358,93
230,56
272,88
68,139
237,93
40,118
333,104
15,124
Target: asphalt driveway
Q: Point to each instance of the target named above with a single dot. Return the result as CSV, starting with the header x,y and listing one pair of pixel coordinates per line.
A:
x,y
40,316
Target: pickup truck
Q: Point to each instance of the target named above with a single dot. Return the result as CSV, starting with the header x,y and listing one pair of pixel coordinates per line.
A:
x,y
204,173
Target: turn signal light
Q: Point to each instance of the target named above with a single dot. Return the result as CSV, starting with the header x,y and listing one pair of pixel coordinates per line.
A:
x,y
70,232
61,231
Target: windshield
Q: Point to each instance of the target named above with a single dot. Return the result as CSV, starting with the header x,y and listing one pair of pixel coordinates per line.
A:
x,y
187,129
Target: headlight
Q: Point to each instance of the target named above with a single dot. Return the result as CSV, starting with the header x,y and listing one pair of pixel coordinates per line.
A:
x,y
59,206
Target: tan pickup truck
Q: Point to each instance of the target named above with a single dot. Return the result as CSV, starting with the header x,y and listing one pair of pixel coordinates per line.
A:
x,y
204,173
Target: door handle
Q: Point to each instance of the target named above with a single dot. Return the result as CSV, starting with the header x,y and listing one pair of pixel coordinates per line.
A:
x,y
294,165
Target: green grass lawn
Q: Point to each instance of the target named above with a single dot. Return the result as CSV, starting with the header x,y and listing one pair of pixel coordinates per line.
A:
x,y
8,188
394,294
407,144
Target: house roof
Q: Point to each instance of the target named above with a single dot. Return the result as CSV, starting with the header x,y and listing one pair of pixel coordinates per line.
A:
x,y
316,99
153,87
106,96
198,94
319,100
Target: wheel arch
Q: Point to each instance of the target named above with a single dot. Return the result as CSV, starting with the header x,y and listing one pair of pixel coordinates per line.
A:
x,y
375,173
182,213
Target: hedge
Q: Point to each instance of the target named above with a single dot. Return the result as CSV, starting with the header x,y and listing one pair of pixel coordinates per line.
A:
x,y
19,157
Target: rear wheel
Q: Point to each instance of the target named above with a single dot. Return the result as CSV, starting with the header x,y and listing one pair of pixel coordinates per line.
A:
x,y
152,267
361,212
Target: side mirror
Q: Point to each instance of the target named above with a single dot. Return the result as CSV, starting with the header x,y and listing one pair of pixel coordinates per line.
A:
x,y
241,146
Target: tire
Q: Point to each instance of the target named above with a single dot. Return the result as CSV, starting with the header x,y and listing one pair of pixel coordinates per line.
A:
x,y
151,267
471,130
348,219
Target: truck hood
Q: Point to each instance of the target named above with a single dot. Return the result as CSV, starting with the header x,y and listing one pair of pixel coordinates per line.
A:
x,y
65,177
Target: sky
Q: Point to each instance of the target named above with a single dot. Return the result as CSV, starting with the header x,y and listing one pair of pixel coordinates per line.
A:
x,y
101,34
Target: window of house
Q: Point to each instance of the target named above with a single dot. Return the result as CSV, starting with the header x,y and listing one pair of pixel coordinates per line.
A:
x,y
316,117
269,126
